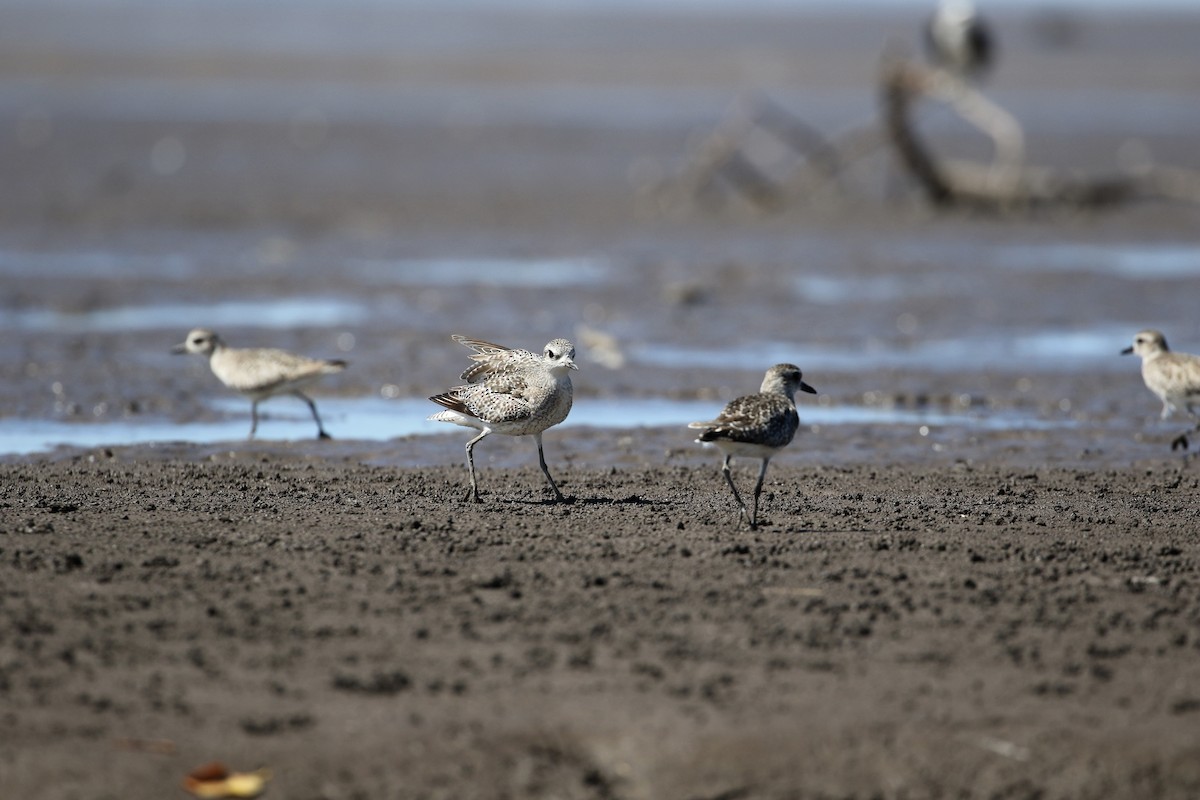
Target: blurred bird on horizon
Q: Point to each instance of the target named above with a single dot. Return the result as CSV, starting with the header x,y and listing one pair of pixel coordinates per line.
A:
x,y
959,40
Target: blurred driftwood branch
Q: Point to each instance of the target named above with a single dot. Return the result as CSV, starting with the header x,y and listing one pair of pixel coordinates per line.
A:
x,y
767,157
770,158
1006,183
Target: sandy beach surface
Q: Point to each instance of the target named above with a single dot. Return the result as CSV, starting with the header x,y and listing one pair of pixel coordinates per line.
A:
x,y
978,574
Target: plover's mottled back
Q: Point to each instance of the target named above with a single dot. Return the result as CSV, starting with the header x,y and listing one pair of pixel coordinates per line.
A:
x,y
1173,377
260,373
757,426
513,392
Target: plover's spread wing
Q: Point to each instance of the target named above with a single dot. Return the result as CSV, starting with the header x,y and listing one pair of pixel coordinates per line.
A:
x,y
267,370
491,358
766,419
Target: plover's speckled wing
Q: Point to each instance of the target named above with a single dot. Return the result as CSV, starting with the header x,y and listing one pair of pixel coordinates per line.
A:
x,y
502,398
263,370
491,358
767,419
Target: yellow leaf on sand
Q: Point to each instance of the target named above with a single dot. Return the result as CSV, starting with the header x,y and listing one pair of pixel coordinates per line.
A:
x,y
232,784
247,784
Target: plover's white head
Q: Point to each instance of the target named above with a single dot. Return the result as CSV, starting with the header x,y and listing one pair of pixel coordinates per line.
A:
x,y
1147,344
200,340
559,356
785,379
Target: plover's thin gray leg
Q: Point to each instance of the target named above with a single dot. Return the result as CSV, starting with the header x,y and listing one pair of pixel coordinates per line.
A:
x,y
321,434
762,471
474,492
253,418
729,479
545,470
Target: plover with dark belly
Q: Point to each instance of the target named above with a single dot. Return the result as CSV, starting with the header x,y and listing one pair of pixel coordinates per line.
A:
x,y
512,392
260,373
757,426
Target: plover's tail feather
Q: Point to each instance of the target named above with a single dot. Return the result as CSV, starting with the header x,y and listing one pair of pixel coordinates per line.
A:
x,y
451,400
332,365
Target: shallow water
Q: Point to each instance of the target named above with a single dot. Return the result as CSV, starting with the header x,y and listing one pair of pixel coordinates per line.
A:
x,y
949,267
529,273
275,313
379,419
1131,260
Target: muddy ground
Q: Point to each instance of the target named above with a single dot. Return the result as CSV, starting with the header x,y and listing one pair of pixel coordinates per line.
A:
x,y
965,610
364,632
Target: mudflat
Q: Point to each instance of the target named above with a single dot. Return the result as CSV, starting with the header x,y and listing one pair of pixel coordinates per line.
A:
x,y
366,632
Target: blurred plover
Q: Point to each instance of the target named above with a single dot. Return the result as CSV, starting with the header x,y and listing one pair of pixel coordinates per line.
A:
x,y
260,373
958,39
513,392
1173,377
757,426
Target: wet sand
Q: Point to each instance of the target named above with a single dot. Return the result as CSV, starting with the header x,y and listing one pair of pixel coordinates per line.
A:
x,y
998,600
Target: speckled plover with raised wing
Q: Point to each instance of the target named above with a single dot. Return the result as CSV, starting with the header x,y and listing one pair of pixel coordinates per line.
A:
x,y
513,392
757,426
1173,377
260,373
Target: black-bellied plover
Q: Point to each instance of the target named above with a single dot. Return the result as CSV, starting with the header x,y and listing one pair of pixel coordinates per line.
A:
x,y
1173,377
260,373
958,40
513,392
757,426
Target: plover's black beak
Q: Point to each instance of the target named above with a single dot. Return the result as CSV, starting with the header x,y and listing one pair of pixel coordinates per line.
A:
x,y
179,349
804,387
1127,350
